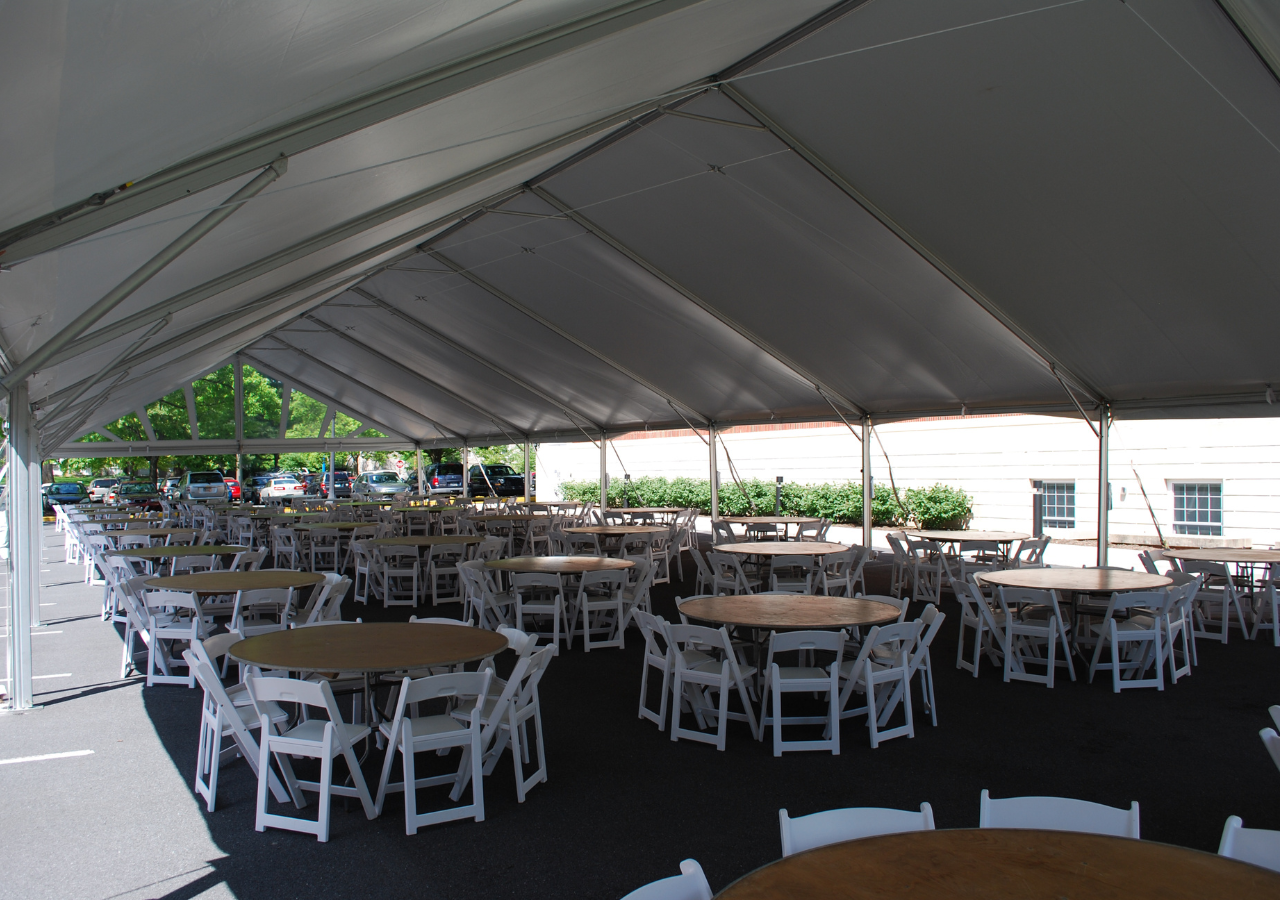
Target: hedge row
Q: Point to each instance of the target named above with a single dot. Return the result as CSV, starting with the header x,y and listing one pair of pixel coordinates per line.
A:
x,y
939,506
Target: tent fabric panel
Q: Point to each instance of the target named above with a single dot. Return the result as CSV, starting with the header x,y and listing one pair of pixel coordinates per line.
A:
x,y
761,235
477,320
575,280
1076,169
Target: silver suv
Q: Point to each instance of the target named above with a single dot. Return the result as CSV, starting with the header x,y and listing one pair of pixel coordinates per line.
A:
x,y
100,487
378,484
202,486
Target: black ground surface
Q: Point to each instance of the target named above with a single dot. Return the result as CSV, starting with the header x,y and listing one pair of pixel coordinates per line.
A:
x,y
624,804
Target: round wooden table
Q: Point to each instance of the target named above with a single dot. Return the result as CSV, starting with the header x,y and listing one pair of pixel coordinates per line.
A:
x,y
1088,581
426,540
559,565
506,517
283,514
616,530
781,548
995,537
230,582
375,647
1003,864
793,612
1225,555
170,552
769,520
340,526
157,532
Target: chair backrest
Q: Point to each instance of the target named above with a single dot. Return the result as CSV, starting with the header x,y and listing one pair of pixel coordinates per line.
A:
x,y
1271,740
653,628
1057,814
806,640
690,884
834,825
1010,597
1030,552
1258,846
1158,601
722,532
612,579
900,603
930,623
249,560
265,689
536,580
519,641
170,600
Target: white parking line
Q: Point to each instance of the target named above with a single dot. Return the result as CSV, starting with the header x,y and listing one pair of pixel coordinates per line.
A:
x,y
44,756
59,675
48,604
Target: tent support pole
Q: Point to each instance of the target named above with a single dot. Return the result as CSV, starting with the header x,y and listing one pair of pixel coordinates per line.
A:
x,y
24,553
528,482
1104,483
417,453
867,482
238,373
604,475
144,273
333,475
715,481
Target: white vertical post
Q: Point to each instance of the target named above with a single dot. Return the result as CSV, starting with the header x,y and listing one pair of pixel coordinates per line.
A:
x,y
604,472
24,560
466,471
715,479
867,482
528,482
1104,482
418,462
36,511
239,383
333,476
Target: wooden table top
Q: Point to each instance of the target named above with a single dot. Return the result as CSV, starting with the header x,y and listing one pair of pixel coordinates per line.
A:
x,y
170,552
791,611
506,517
1003,864
616,530
157,532
371,647
426,540
123,515
998,537
1225,555
230,582
781,548
283,514
559,565
644,509
769,520
341,526
1096,581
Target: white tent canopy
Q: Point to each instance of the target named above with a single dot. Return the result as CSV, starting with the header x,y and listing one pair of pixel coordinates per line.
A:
x,y
500,221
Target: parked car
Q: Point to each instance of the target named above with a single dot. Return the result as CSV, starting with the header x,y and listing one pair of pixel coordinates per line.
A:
x,y
133,492
170,488
281,487
375,484
233,488
100,487
503,481
253,487
443,478
319,484
202,486
62,492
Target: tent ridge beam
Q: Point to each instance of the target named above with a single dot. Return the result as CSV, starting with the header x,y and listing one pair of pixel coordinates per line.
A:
x,y
413,373
556,329
121,203
470,354
805,152
346,376
742,331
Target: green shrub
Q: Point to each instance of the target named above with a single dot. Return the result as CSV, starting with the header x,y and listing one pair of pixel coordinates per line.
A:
x,y
936,507
939,506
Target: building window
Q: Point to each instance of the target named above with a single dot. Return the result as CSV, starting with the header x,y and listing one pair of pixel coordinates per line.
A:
x,y
1197,509
1059,504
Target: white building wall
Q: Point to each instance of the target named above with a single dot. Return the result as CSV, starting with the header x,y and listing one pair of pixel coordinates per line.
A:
x,y
993,458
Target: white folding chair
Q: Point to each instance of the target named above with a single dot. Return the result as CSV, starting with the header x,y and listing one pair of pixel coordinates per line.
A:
x,y
1216,600
835,825
400,573
173,617
690,884
599,608
728,576
918,663
1258,846
987,624
310,737
1145,631
884,658
442,573
539,595
705,664
657,655
506,719
1057,814
1033,619
1271,740
220,719
1266,607
251,607
800,678
792,574
410,734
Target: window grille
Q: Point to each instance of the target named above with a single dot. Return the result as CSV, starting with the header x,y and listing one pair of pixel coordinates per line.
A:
x,y
1197,508
1059,504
